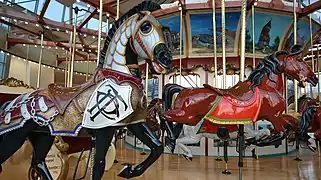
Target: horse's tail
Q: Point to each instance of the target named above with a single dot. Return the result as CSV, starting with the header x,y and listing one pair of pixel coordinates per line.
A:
x,y
306,120
168,94
172,131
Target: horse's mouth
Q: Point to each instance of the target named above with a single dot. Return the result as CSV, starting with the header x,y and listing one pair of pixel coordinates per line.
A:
x,y
156,68
312,80
162,59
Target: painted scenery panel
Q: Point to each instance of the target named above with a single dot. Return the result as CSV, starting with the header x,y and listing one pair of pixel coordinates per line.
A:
x,y
268,32
303,31
202,32
173,23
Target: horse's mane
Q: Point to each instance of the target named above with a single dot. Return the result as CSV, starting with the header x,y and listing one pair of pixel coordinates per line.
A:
x,y
153,102
269,66
144,6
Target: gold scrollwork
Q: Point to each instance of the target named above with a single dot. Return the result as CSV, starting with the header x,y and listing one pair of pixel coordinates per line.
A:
x,y
13,82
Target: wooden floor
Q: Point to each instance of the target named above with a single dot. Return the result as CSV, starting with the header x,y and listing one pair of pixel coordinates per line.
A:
x,y
171,167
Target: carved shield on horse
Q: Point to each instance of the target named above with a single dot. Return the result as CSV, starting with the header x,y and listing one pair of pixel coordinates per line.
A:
x,y
109,104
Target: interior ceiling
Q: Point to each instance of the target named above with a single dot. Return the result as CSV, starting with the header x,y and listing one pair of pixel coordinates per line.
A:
x,y
50,55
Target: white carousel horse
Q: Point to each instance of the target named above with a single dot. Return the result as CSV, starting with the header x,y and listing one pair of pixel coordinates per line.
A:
x,y
189,136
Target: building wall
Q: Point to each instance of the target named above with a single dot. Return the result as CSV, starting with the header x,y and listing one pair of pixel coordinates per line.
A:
x,y
18,69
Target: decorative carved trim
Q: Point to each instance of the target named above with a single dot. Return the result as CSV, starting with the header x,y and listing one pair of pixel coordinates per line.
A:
x,y
13,82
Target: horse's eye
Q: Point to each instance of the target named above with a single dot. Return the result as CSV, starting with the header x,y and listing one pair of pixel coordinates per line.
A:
x,y
146,27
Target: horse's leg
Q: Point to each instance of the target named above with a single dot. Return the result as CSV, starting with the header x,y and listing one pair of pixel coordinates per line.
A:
x,y
146,136
41,143
13,140
104,137
188,140
317,136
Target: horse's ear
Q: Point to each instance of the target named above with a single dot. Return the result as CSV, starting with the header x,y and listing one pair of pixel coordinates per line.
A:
x,y
296,49
140,15
280,55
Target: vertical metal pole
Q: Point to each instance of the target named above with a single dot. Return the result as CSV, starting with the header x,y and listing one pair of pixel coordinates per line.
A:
x,y
87,73
223,43
242,68
253,35
295,41
40,61
117,16
318,67
73,49
69,59
295,82
180,43
253,54
27,67
311,38
107,22
99,29
214,41
66,70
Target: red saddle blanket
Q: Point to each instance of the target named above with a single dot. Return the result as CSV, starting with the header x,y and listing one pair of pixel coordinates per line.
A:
x,y
228,110
208,127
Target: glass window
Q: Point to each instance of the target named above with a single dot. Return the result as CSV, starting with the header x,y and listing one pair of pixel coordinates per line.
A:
x,y
189,81
3,62
54,11
152,88
93,24
30,5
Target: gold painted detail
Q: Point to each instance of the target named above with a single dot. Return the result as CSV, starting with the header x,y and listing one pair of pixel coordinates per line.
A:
x,y
13,82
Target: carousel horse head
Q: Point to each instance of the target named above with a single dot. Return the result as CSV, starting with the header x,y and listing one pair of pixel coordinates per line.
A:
x,y
137,35
289,63
296,68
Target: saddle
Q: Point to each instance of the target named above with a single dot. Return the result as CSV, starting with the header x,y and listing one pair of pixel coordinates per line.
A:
x,y
241,91
63,96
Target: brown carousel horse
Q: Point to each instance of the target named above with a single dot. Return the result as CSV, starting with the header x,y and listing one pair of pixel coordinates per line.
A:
x,y
112,98
307,120
153,109
260,97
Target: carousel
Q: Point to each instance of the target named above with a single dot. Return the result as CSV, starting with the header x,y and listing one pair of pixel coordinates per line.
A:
x,y
94,89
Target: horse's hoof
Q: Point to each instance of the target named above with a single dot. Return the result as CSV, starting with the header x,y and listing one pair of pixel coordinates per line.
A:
x,y
0,169
227,172
126,172
170,148
188,158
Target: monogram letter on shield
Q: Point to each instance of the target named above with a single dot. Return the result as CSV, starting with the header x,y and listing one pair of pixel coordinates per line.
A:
x,y
109,104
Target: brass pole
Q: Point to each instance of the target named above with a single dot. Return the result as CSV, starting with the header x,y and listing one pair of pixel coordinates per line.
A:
x,y
223,43
180,44
87,73
69,59
295,41
311,43
73,50
40,61
66,70
214,45
99,29
27,66
253,35
107,22
117,16
253,54
318,67
242,68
